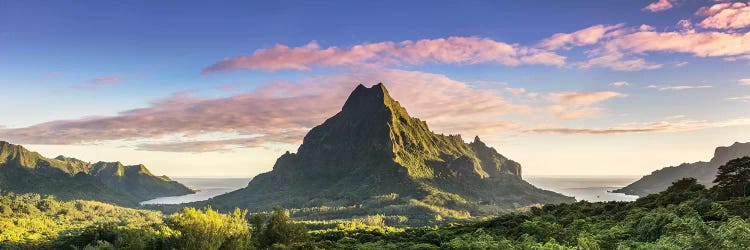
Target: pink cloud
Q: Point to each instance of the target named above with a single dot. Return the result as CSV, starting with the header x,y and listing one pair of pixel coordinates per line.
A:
x,y
659,5
616,60
587,36
619,84
679,87
726,16
651,127
278,112
198,146
578,105
621,51
573,112
704,44
452,50
582,98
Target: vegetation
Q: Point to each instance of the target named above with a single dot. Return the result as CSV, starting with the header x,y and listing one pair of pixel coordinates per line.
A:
x,y
29,221
24,171
734,178
32,221
685,216
703,171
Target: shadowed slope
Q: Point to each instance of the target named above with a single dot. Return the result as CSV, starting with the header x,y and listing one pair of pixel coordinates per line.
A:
x,y
24,171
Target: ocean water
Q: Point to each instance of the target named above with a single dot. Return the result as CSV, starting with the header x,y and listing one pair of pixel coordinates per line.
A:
x,y
207,188
590,188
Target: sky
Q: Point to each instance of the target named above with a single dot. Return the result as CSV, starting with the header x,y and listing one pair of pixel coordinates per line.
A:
x,y
222,89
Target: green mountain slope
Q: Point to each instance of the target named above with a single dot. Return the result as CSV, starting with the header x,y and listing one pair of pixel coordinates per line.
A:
x,y
704,172
24,171
372,157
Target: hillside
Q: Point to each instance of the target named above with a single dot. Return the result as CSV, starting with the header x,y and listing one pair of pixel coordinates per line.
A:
x,y
24,171
685,216
704,172
373,158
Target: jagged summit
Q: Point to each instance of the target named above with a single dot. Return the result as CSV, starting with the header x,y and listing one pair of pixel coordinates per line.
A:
x,y
372,148
373,100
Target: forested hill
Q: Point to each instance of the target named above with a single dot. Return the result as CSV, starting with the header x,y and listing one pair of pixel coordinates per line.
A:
x,y
704,172
374,158
24,171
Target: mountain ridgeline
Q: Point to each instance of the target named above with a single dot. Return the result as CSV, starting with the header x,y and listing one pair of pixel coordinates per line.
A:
x,y
704,172
373,158
24,171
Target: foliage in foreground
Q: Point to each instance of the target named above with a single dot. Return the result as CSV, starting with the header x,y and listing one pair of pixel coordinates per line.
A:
x,y
31,222
685,216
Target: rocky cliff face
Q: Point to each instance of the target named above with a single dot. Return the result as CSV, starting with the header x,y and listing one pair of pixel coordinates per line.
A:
x,y
372,147
704,172
24,171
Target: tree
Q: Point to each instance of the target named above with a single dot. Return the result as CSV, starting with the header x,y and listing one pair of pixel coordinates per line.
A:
x,y
733,179
278,230
210,229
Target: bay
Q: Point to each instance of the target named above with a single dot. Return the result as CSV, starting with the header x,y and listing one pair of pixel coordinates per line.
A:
x,y
207,188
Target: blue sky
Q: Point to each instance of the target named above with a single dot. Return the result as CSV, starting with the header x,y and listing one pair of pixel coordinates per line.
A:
x,y
96,79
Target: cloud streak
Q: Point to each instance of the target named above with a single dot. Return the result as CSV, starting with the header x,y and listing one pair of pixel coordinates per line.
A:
x,y
619,84
740,98
277,112
587,36
664,126
578,105
99,82
679,87
615,47
582,98
451,50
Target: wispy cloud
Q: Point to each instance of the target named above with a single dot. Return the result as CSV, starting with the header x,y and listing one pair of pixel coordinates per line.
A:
x,y
577,105
744,82
587,36
451,50
277,112
619,84
198,146
516,91
740,98
99,82
624,48
617,47
678,87
582,98
664,126
659,5
728,15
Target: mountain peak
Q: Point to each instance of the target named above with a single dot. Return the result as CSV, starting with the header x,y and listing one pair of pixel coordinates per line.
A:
x,y
372,148
365,99
726,153
477,140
